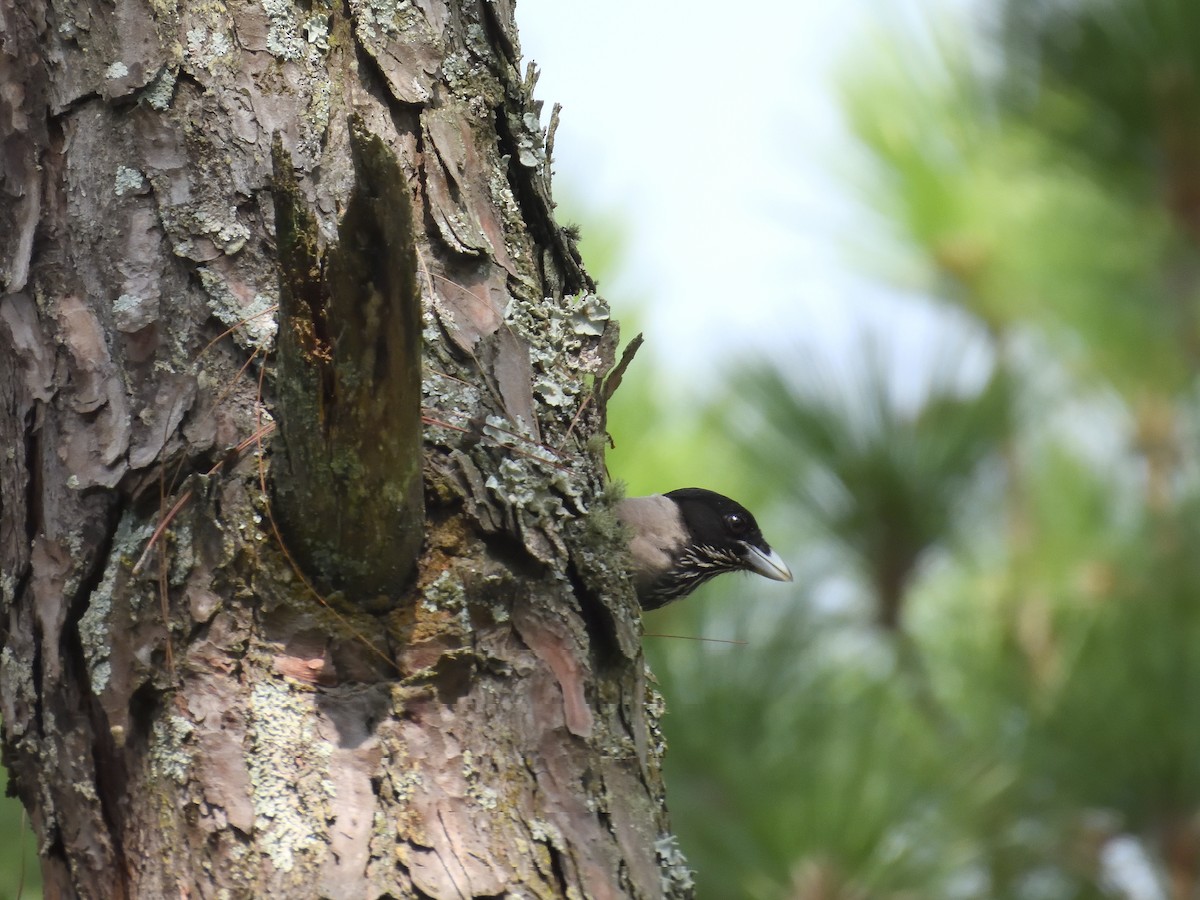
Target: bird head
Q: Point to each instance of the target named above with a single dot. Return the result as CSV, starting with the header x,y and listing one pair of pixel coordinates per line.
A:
x,y
683,538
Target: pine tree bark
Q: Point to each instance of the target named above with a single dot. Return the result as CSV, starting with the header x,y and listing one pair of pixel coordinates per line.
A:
x,y
195,701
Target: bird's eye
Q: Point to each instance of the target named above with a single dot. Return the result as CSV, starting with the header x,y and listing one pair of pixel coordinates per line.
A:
x,y
736,523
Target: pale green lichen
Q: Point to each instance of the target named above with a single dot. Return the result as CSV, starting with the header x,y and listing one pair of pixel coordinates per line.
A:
x,y
95,625
589,314
195,40
404,787
19,678
677,877
444,593
253,324
182,554
519,486
500,431
207,49
546,833
531,142
116,70
457,71
128,181
561,335
165,10
477,40
159,93
284,40
538,483
99,674
493,584
570,487
550,391
50,748
316,29
503,199
373,16
132,312
226,231
228,234
289,763
528,492
656,708
168,756
512,484
453,400
315,122
485,797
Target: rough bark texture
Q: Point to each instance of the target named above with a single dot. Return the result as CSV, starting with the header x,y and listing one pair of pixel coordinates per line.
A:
x,y
196,720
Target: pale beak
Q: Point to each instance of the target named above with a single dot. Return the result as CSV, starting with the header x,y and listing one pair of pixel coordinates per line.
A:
x,y
766,563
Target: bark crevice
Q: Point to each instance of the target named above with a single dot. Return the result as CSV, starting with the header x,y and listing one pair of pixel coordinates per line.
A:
x,y
351,335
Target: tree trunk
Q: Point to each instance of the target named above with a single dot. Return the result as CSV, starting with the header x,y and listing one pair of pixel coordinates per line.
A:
x,y
240,661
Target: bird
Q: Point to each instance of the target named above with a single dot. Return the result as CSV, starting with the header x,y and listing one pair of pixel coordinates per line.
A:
x,y
681,539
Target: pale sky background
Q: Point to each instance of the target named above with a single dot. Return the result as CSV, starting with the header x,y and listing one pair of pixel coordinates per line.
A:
x,y
712,132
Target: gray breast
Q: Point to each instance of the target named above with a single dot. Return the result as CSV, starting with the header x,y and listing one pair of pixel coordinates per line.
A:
x,y
658,537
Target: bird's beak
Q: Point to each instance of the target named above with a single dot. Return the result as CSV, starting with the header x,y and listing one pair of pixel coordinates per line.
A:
x,y
766,563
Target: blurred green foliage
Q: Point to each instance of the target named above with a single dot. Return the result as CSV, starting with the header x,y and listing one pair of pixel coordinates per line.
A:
x,y
986,681
20,876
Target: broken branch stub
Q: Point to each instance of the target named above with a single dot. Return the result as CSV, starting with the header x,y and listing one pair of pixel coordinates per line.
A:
x,y
346,476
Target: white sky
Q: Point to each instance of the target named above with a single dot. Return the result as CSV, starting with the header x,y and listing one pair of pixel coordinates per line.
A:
x,y
712,131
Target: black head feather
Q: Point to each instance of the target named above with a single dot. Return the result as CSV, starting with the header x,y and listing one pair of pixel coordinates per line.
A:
x,y
713,519
718,535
